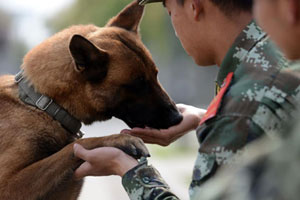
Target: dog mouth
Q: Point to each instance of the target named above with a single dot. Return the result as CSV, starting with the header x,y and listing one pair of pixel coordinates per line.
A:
x,y
134,124
141,121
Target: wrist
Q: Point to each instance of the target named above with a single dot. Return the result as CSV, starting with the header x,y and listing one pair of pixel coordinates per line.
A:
x,y
195,119
124,163
200,115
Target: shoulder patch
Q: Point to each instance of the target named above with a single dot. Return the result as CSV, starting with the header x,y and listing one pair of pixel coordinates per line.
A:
x,y
215,104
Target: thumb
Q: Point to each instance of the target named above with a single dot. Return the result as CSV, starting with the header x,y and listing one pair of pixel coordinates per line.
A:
x,y
181,107
80,151
83,171
125,131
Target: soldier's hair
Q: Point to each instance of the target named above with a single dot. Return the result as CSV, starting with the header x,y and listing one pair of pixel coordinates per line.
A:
x,y
228,6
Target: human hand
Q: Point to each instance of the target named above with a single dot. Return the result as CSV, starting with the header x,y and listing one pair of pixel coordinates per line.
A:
x,y
102,161
164,137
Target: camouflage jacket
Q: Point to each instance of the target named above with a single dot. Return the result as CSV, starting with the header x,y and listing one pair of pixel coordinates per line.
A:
x,y
256,99
269,169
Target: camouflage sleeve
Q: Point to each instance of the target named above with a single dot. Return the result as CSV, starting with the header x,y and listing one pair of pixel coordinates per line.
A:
x,y
145,183
222,139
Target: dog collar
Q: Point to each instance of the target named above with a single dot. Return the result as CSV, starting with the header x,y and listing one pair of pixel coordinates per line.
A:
x,y
29,96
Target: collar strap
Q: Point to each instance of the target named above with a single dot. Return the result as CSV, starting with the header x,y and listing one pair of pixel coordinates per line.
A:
x,y
29,96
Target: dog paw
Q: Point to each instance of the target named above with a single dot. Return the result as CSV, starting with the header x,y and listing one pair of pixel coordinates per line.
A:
x,y
131,145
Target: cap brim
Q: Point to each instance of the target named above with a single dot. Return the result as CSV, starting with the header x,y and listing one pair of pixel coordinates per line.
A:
x,y
144,2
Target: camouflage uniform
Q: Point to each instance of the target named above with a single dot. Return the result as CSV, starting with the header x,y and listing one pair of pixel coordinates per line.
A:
x,y
258,100
269,169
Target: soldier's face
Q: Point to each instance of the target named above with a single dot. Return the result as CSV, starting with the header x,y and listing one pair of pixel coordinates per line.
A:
x,y
281,20
180,22
186,22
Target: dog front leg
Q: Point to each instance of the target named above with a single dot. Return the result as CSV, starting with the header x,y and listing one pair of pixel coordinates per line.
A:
x,y
38,179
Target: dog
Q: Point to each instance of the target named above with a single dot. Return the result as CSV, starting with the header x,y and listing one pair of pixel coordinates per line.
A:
x,y
84,74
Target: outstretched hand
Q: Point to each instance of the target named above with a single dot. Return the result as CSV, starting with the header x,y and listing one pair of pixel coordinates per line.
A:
x,y
164,137
103,161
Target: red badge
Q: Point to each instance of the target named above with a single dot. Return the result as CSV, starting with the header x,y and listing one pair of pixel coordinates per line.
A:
x,y
215,104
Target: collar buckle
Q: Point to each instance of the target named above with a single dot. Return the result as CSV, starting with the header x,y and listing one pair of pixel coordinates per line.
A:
x,y
43,102
19,77
46,104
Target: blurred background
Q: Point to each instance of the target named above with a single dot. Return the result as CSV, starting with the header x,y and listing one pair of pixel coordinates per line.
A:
x,y
24,24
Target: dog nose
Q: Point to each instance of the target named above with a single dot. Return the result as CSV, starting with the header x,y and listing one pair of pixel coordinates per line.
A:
x,y
170,116
175,118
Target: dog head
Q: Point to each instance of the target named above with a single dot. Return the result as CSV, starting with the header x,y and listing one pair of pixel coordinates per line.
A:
x,y
97,73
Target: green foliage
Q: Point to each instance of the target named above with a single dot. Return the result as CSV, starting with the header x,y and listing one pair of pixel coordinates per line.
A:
x,y
155,27
12,48
5,20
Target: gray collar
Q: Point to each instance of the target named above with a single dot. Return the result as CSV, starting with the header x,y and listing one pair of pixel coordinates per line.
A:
x,y
29,96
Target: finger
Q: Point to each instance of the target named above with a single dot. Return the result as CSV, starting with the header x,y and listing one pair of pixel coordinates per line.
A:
x,y
181,107
83,171
146,131
80,152
174,130
128,131
155,136
125,131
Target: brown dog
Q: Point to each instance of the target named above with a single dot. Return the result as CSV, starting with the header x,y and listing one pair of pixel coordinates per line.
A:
x,y
93,73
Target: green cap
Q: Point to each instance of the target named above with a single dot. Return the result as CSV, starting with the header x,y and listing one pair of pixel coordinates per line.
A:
x,y
143,2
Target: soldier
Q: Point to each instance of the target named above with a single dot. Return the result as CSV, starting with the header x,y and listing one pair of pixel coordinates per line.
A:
x,y
271,170
251,100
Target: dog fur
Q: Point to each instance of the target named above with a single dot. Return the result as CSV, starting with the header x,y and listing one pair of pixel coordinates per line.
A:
x,y
94,73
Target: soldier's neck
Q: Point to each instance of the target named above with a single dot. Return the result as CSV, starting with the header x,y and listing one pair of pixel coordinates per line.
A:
x,y
226,33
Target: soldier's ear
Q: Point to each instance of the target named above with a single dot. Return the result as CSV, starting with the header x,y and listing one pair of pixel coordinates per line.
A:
x,y
129,18
197,8
89,60
292,12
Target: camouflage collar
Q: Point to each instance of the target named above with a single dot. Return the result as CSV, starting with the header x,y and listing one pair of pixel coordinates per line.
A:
x,y
247,39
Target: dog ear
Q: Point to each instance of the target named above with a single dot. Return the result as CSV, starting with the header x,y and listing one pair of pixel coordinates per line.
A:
x,y
129,18
89,59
